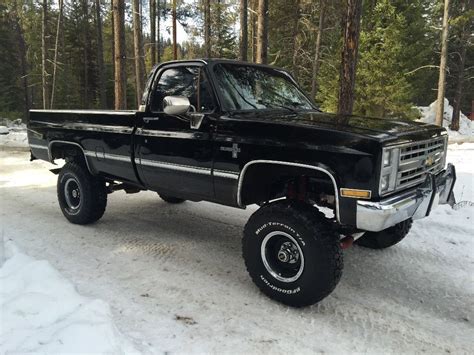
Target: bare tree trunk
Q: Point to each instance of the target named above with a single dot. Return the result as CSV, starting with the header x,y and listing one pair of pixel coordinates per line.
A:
x,y
86,39
463,40
207,27
119,59
442,66
349,57
317,51
262,32
23,62
153,32
158,35
254,29
44,53
458,92
100,57
56,45
243,46
175,44
112,25
218,29
296,39
138,51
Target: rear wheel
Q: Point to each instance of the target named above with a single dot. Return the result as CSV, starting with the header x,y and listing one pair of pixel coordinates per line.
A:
x,y
291,253
387,237
171,199
82,197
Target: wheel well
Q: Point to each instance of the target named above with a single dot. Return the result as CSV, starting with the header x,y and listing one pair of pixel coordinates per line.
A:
x,y
264,182
68,151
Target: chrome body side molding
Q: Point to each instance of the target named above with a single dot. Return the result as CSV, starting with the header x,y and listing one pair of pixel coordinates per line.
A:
x,y
94,112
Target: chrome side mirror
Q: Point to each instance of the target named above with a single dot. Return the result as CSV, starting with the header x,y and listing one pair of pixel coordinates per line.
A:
x,y
176,105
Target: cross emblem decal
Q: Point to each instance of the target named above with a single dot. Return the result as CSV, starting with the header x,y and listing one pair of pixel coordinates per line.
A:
x,y
234,149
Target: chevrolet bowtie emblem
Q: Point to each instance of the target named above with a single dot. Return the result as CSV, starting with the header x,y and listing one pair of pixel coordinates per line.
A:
x,y
234,149
429,161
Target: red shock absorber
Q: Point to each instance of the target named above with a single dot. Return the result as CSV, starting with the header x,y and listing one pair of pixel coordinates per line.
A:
x,y
297,189
291,191
302,188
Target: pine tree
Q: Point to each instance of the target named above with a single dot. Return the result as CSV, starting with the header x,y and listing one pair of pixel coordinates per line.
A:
x,y
442,66
243,43
382,88
262,32
119,55
138,51
349,56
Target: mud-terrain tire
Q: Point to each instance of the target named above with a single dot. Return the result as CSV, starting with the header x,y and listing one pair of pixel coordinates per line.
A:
x,y
291,253
171,199
82,197
386,238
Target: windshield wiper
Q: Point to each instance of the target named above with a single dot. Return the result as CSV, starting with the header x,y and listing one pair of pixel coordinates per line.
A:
x,y
275,105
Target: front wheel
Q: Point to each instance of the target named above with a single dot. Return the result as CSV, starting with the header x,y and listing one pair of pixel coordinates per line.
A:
x,y
82,197
387,237
291,253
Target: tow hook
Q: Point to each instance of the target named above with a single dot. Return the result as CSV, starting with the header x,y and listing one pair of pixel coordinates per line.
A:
x,y
348,240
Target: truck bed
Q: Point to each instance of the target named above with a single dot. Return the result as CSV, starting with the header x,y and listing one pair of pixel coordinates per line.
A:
x,y
99,133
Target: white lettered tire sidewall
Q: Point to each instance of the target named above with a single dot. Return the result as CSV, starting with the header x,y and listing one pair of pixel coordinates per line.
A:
x,y
322,255
265,276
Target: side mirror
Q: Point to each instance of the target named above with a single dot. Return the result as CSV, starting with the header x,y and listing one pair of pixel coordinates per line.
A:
x,y
176,105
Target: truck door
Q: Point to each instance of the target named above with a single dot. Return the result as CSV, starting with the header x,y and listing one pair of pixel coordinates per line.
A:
x,y
172,157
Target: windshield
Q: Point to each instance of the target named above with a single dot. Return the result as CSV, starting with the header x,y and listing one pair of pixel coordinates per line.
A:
x,y
245,87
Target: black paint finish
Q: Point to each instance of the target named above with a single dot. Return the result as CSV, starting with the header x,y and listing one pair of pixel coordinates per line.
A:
x,y
163,153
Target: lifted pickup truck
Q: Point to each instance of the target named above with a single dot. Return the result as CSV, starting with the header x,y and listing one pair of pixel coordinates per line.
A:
x,y
239,134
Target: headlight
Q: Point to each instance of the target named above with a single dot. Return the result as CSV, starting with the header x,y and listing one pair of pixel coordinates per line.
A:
x,y
384,181
388,169
387,155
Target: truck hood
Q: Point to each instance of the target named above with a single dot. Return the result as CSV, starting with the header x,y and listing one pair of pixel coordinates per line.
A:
x,y
381,129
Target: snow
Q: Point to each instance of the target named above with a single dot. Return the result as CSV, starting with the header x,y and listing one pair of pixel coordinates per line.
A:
x,y
175,280
466,126
42,312
13,134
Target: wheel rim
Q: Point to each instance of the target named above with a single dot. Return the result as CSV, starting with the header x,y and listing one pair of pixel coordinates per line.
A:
x,y
282,256
72,194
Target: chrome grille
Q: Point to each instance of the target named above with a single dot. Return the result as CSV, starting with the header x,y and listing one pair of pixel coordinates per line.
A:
x,y
419,158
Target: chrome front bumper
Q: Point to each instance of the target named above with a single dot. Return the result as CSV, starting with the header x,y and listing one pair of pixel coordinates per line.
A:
x,y
416,203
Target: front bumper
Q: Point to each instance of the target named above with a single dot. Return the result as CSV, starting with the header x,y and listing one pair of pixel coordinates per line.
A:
x,y
416,203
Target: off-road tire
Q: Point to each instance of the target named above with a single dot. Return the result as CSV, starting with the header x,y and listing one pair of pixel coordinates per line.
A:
x,y
319,244
386,238
92,194
171,199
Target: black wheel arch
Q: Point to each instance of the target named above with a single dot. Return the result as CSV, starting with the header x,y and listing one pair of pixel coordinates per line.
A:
x,y
70,151
264,180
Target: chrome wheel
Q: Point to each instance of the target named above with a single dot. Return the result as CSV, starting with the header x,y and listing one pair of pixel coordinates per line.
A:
x,y
282,256
72,194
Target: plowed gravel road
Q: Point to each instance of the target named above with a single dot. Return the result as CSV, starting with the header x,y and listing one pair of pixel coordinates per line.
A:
x,y
175,280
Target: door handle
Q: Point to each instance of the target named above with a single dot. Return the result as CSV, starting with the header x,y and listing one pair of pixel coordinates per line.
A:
x,y
148,119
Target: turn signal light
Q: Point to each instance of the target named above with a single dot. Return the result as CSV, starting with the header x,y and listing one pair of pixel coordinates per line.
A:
x,y
354,193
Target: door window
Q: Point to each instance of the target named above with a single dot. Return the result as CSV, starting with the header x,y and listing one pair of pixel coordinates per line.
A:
x,y
188,81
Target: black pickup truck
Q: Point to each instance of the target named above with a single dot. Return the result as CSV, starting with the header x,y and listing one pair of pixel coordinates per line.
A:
x,y
239,134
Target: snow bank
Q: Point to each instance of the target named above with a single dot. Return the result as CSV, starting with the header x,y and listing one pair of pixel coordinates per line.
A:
x,y
466,127
42,312
13,134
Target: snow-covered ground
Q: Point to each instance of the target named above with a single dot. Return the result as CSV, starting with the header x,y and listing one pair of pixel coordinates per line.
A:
x,y
175,280
466,126
42,312
13,134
